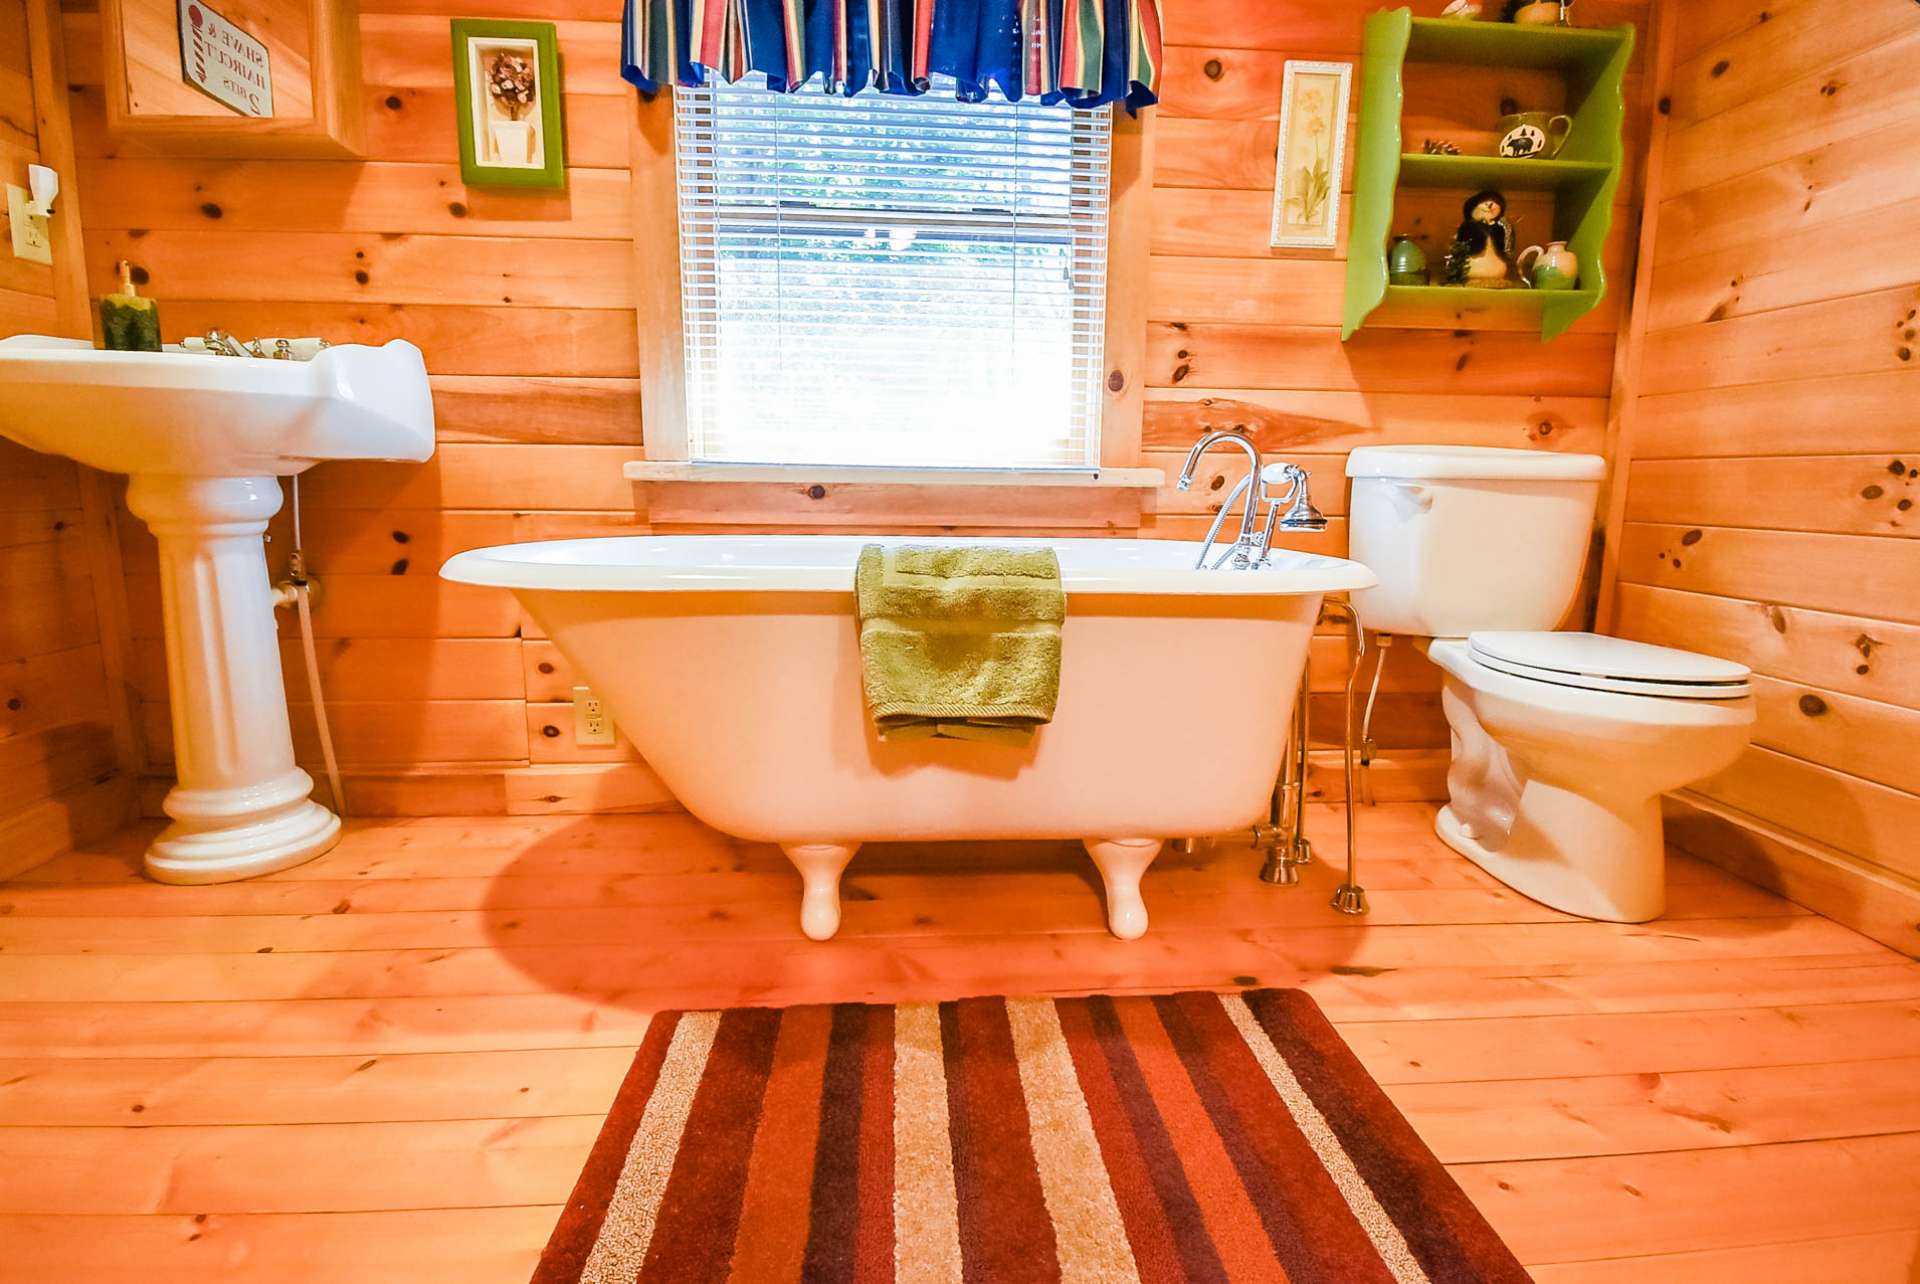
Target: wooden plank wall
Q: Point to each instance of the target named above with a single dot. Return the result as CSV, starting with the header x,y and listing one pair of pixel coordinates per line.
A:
x,y
443,697
1770,509
61,782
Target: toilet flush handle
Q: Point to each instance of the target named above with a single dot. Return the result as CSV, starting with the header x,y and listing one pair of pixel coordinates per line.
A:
x,y
1411,497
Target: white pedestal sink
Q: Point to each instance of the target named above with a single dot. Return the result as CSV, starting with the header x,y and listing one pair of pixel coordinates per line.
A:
x,y
204,440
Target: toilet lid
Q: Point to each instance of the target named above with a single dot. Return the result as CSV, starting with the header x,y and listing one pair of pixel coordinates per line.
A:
x,y
1599,663
1472,463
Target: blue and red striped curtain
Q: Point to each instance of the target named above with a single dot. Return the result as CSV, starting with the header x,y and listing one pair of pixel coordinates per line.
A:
x,y
1081,52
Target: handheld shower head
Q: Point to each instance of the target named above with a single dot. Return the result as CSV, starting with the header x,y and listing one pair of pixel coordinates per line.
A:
x,y
1301,515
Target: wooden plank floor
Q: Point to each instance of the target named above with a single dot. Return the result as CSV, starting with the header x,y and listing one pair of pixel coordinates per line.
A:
x,y
388,1064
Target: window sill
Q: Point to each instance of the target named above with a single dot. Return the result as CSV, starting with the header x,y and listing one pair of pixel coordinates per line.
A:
x,y
701,496
662,470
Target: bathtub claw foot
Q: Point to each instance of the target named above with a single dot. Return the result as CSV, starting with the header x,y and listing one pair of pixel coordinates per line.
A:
x,y
820,865
1121,862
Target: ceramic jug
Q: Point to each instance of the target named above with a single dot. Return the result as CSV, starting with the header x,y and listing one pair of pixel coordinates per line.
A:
x,y
1553,268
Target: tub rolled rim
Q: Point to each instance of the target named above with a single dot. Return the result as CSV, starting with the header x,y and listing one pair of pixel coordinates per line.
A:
x,y
513,566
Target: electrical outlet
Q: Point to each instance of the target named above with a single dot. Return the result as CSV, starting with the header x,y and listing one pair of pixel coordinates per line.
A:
x,y
32,239
592,724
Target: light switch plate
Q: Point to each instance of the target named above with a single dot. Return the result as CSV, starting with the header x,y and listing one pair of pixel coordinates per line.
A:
x,y
32,238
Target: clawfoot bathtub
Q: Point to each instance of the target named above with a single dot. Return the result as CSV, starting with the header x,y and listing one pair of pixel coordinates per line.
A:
x,y
732,663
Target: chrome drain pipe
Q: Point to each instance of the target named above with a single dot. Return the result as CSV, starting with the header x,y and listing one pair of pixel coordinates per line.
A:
x,y
1350,897
1284,836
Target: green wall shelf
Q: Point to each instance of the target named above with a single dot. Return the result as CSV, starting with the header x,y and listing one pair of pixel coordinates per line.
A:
x,y
1583,178
1417,169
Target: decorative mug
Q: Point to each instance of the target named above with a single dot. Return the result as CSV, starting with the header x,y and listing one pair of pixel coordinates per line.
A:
x,y
1554,268
1533,133
1541,13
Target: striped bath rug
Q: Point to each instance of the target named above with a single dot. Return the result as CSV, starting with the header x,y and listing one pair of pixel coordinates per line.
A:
x,y
1183,1137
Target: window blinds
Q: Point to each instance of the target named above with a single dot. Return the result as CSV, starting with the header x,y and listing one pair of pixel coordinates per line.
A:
x,y
891,281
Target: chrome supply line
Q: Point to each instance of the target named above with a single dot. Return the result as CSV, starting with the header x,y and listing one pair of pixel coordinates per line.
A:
x,y
1381,641
1350,897
1284,835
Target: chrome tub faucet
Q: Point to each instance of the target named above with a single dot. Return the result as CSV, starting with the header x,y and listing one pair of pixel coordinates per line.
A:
x,y
1275,484
1247,550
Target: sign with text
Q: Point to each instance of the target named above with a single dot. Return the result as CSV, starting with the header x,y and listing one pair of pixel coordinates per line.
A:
x,y
223,61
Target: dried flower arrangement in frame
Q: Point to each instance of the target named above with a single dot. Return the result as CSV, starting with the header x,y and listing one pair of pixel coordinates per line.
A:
x,y
1312,154
506,78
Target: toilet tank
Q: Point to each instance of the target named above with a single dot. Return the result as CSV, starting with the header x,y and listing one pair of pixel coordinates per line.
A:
x,y
1465,538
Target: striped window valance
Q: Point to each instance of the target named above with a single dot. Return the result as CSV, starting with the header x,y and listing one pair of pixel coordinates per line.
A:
x,y
1080,52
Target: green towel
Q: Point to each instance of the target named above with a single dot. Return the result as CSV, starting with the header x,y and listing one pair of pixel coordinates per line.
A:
x,y
960,643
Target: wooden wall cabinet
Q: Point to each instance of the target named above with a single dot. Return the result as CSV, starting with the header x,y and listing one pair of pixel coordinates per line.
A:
x,y
314,53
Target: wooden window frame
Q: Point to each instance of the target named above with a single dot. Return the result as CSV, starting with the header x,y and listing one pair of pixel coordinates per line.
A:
x,y
656,258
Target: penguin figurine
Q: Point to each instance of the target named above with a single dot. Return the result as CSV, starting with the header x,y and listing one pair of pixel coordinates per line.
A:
x,y
1482,251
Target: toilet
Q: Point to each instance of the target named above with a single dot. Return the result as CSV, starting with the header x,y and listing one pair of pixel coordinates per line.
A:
x,y
1562,742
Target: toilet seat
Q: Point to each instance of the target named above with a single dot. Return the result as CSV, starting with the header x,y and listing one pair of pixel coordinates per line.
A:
x,y
1593,662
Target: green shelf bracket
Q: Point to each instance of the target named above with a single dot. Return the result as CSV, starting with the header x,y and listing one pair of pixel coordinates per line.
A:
x,y
1376,163
1585,176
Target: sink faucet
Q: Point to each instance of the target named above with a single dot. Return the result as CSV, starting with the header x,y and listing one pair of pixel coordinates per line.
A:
x,y
1276,484
222,344
219,343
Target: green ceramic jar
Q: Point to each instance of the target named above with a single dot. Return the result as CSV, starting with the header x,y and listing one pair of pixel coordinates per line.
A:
x,y
1406,263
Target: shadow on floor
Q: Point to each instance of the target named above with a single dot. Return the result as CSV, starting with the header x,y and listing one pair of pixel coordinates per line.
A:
x,y
661,912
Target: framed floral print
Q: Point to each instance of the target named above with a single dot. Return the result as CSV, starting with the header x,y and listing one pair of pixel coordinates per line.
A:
x,y
506,81
1312,155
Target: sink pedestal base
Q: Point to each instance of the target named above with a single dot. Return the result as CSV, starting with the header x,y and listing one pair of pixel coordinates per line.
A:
x,y
241,807
233,851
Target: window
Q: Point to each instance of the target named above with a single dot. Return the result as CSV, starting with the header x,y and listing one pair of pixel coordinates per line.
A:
x,y
894,281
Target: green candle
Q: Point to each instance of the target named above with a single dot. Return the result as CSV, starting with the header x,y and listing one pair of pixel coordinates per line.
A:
x,y
129,323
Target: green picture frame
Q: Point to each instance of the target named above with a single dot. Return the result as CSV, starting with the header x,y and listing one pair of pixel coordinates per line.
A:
x,y
511,131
